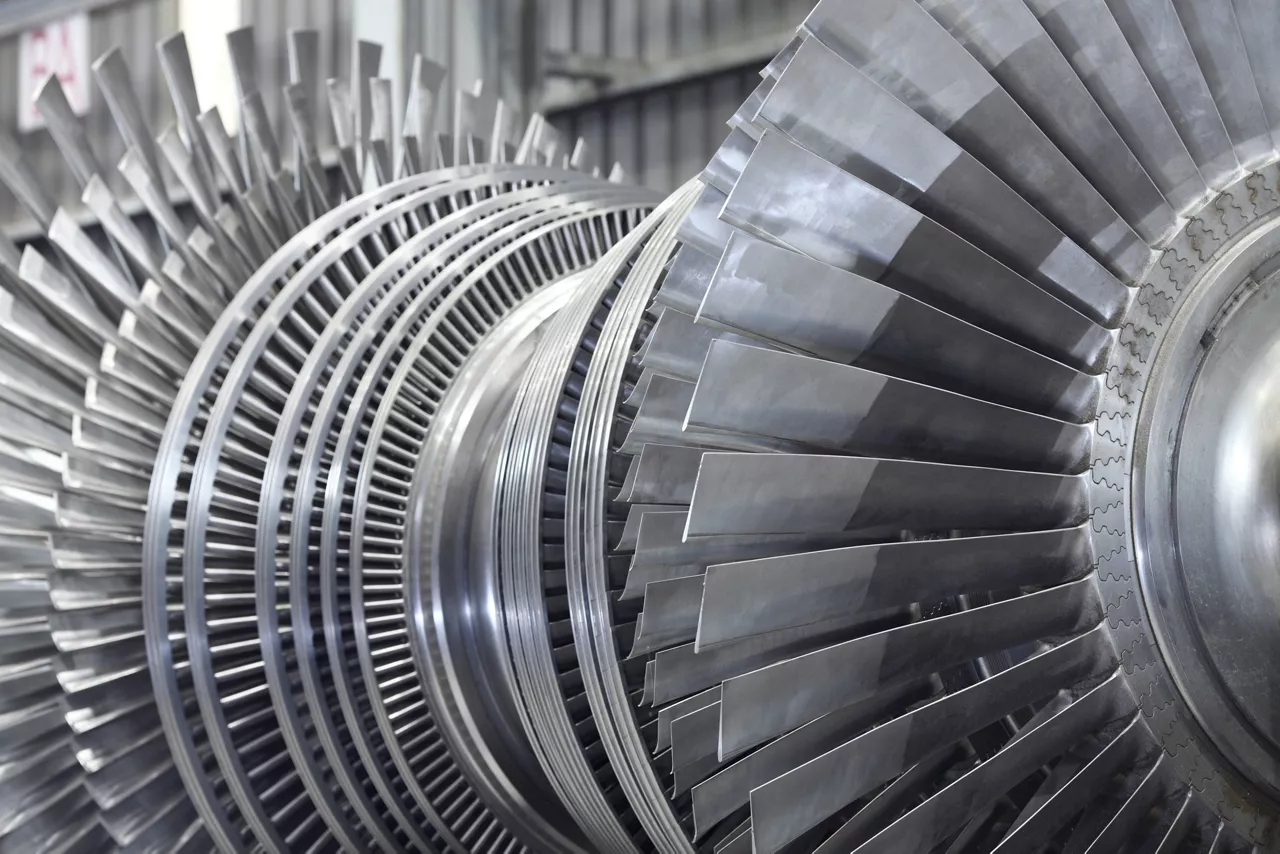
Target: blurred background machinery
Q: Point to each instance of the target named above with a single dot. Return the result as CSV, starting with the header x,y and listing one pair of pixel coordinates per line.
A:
x,y
646,83
381,469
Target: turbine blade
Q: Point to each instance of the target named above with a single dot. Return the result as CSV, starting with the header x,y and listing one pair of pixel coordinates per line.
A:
x,y
817,404
768,594
800,304
773,699
931,822
809,494
853,226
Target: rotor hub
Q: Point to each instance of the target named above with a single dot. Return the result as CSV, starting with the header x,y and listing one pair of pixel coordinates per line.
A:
x,y
1208,509
452,586
906,481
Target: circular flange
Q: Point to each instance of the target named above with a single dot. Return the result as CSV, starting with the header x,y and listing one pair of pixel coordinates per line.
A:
x,y
451,584
586,504
544,633
1178,424
205,390
416,364
368,309
1204,500
416,274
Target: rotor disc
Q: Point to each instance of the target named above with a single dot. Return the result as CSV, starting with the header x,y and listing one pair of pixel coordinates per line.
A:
x,y
901,483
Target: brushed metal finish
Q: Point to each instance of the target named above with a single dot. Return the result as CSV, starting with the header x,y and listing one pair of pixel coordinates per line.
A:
x,y
901,483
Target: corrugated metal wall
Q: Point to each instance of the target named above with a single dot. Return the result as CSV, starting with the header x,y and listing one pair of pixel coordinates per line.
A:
x,y
664,135
660,134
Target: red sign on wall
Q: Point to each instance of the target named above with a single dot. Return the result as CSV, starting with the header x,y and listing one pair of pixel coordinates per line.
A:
x,y
58,47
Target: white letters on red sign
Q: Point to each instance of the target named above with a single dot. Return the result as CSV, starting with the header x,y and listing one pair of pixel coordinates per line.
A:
x,y
59,48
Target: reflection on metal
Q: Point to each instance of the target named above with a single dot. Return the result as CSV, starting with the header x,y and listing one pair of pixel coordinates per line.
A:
x,y
904,483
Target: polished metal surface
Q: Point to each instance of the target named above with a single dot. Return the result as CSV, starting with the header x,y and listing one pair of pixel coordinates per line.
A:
x,y
455,611
1227,449
905,482
1204,512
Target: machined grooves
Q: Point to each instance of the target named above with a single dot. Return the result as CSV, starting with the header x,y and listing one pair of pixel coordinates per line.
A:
x,y
810,510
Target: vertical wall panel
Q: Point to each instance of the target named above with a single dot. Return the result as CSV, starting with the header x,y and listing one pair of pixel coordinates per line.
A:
x,y
592,34
725,21
557,33
624,30
689,147
657,27
661,136
622,140
654,168
689,27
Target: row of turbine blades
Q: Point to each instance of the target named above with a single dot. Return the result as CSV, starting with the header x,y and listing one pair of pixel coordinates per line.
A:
x,y
98,332
798,517
278,511
811,509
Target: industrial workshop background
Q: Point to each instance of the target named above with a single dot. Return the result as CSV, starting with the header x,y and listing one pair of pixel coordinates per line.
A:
x,y
646,83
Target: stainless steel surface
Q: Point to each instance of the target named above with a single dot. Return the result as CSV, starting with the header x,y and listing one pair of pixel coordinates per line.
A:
x,y
932,174
1199,512
901,483
770,594
1225,450
938,78
858,228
